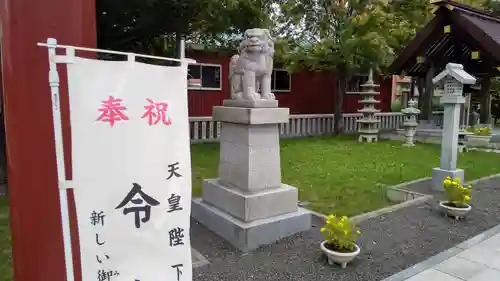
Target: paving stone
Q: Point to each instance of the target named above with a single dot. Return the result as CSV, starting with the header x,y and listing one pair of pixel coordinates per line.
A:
x,y
483,256
433,275
487,275
492,243
460,268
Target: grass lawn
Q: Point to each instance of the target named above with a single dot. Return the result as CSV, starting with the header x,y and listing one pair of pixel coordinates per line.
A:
x,y
338,175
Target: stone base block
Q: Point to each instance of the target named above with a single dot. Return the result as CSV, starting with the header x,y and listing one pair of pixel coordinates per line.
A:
x,y
250,103
439,175
247,236
250,206
254,116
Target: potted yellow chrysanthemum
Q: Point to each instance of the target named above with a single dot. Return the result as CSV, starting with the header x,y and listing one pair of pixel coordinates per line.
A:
x,y
340,240
457,198
480,136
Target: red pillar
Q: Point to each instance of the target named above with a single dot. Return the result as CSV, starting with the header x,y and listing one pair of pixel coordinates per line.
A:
x,y
35,216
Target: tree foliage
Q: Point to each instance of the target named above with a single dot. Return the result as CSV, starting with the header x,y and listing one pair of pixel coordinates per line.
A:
x,y
336,35
344,37
154,25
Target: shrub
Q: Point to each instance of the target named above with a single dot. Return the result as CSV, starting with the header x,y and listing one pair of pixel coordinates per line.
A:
x,y
340,234
486,131
396,106
455,193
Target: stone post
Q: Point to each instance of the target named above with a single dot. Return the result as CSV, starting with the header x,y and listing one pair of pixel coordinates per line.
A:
x,y
247,204
453,77
410,123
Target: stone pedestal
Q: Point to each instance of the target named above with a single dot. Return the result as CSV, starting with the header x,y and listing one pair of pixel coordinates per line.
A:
x,y
247,204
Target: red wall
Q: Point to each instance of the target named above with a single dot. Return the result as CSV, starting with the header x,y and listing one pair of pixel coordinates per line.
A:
x,y
35,214
311,92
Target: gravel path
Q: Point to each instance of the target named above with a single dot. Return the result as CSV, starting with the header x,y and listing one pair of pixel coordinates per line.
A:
x,y
390,243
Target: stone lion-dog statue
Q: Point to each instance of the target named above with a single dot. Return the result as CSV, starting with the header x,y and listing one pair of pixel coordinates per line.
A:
x,y
252,68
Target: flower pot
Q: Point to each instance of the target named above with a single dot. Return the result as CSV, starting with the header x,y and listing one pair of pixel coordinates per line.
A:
x,y
339,257
478,141
454,212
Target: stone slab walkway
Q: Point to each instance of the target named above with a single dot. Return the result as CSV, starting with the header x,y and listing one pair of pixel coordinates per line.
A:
x,y
477,259
390,243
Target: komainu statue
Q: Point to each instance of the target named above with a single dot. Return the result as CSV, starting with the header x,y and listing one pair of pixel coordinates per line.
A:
x,y
251,70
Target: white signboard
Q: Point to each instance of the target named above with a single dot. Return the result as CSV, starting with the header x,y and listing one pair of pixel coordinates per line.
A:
x,y
131,170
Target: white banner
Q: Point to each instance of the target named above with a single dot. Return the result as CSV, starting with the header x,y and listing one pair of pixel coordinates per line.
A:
x,y
131,170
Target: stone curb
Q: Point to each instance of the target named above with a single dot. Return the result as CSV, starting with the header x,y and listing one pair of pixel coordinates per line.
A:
x,y
365,216
419,198
201,260
483,179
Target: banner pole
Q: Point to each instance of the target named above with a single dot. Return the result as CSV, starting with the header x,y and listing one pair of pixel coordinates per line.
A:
x,y
61,174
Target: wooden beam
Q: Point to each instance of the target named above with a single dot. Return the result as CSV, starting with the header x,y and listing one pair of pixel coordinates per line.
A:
x,y
424,37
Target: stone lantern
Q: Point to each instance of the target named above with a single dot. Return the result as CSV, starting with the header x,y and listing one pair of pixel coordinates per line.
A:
x,y
453,77
410,122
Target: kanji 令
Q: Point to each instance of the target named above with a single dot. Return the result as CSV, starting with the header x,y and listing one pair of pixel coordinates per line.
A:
x,y
156,112
97,218
174,203
136,189
176,235
112,111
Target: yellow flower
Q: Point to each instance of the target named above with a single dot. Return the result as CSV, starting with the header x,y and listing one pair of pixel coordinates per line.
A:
x,y
470,186
358,232
448,177
467,198
447,181
323,229
345,232
340,224
344,218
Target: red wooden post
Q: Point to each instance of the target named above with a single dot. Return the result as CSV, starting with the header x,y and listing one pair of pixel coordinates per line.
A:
x,y
35,218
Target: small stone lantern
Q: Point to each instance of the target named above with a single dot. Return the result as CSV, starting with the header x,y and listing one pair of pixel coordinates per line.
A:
x,y
453,77
410,122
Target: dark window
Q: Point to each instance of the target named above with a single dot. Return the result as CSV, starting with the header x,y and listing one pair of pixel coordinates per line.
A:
x,y
354,83
208,74
280,81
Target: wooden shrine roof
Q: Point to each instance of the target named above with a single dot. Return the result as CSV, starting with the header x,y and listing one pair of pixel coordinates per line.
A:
x,y
457,33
